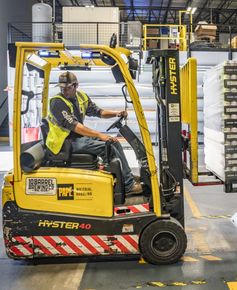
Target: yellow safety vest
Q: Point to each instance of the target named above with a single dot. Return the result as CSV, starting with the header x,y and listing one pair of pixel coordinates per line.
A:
x,y
58,134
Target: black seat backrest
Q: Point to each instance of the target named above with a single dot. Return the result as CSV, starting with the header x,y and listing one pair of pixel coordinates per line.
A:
x,y
63,155
44,126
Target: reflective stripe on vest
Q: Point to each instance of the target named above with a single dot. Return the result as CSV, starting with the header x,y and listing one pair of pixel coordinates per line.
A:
x,y
82,99
58,134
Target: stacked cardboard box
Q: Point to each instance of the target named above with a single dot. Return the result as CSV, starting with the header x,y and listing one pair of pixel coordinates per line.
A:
x,y
220,121
153,32
152,43
205,31
234,42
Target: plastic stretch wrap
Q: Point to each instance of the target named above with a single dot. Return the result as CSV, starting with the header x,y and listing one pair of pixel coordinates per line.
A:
x,y
220,120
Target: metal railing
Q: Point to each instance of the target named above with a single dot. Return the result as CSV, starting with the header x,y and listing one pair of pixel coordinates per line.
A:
x,y
174,34
194,36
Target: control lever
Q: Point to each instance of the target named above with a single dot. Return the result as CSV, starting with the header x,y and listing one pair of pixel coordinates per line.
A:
x,y
30,95
108,150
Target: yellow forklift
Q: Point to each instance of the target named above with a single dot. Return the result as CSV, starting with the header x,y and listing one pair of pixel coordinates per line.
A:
x,y
71,204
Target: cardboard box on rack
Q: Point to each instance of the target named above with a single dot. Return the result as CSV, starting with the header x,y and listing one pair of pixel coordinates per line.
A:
x,y
205,30
152,32
234,42
152,43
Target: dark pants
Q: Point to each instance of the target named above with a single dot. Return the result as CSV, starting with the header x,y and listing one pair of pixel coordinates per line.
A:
x,y
97,147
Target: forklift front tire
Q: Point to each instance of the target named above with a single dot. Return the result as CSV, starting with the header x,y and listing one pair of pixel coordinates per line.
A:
x,y
163,242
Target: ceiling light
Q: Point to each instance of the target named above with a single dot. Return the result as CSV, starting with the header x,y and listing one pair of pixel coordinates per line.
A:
x,y
193,10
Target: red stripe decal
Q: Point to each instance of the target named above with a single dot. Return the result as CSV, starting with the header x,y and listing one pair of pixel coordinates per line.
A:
x,y
99,241
16,251
56,245
118,244
42,247
131,241
146,206
74,247
25,244
134,209
87,245
6,240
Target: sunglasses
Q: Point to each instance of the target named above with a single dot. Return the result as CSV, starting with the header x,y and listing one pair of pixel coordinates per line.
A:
x,y
75,85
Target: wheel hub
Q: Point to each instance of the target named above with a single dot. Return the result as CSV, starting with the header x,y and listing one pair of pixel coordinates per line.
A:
x,y
164,243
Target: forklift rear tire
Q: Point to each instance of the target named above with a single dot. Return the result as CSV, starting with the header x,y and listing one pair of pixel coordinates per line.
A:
x,y
163,242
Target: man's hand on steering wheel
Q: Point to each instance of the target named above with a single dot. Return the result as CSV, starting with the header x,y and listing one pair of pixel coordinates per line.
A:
x,y
104,137
122,113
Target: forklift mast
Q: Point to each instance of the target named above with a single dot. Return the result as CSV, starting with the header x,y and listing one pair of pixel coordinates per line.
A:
x,y
166,84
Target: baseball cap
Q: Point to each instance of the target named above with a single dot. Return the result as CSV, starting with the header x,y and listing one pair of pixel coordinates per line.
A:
x,y
67,79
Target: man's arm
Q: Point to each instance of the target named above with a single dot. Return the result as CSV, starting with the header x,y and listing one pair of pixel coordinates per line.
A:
x,y
67,120
95,111
85,131
110,114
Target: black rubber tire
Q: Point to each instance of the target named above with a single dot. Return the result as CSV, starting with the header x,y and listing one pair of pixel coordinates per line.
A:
x,y
163,242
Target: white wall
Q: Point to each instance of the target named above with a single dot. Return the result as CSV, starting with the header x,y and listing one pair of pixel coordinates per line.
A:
x,y
10,11
81,33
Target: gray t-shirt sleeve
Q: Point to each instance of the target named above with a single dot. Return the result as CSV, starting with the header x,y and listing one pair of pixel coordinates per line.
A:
x,y
93,110
62,114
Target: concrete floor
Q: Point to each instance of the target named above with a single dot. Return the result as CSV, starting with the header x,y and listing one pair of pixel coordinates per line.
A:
x,y
209,262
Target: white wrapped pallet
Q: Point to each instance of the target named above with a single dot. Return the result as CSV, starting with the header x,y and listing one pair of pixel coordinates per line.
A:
x,y
220,122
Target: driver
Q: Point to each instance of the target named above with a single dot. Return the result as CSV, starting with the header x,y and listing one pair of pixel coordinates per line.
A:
x,y
66,115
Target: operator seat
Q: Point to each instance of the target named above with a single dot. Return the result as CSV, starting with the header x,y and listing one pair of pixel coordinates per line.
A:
x,y
65,156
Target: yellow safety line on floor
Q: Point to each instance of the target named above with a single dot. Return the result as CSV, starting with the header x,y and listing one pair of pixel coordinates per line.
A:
x,y
201,243
217,216
142,261
189,259
160,284
195,211
198,236
232,285
211,258
189,229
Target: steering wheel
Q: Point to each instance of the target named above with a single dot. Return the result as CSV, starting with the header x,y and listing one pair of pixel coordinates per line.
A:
x,y
116,124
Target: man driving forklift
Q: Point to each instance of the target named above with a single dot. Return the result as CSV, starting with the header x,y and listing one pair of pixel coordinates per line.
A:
x,y
62,205
66,117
